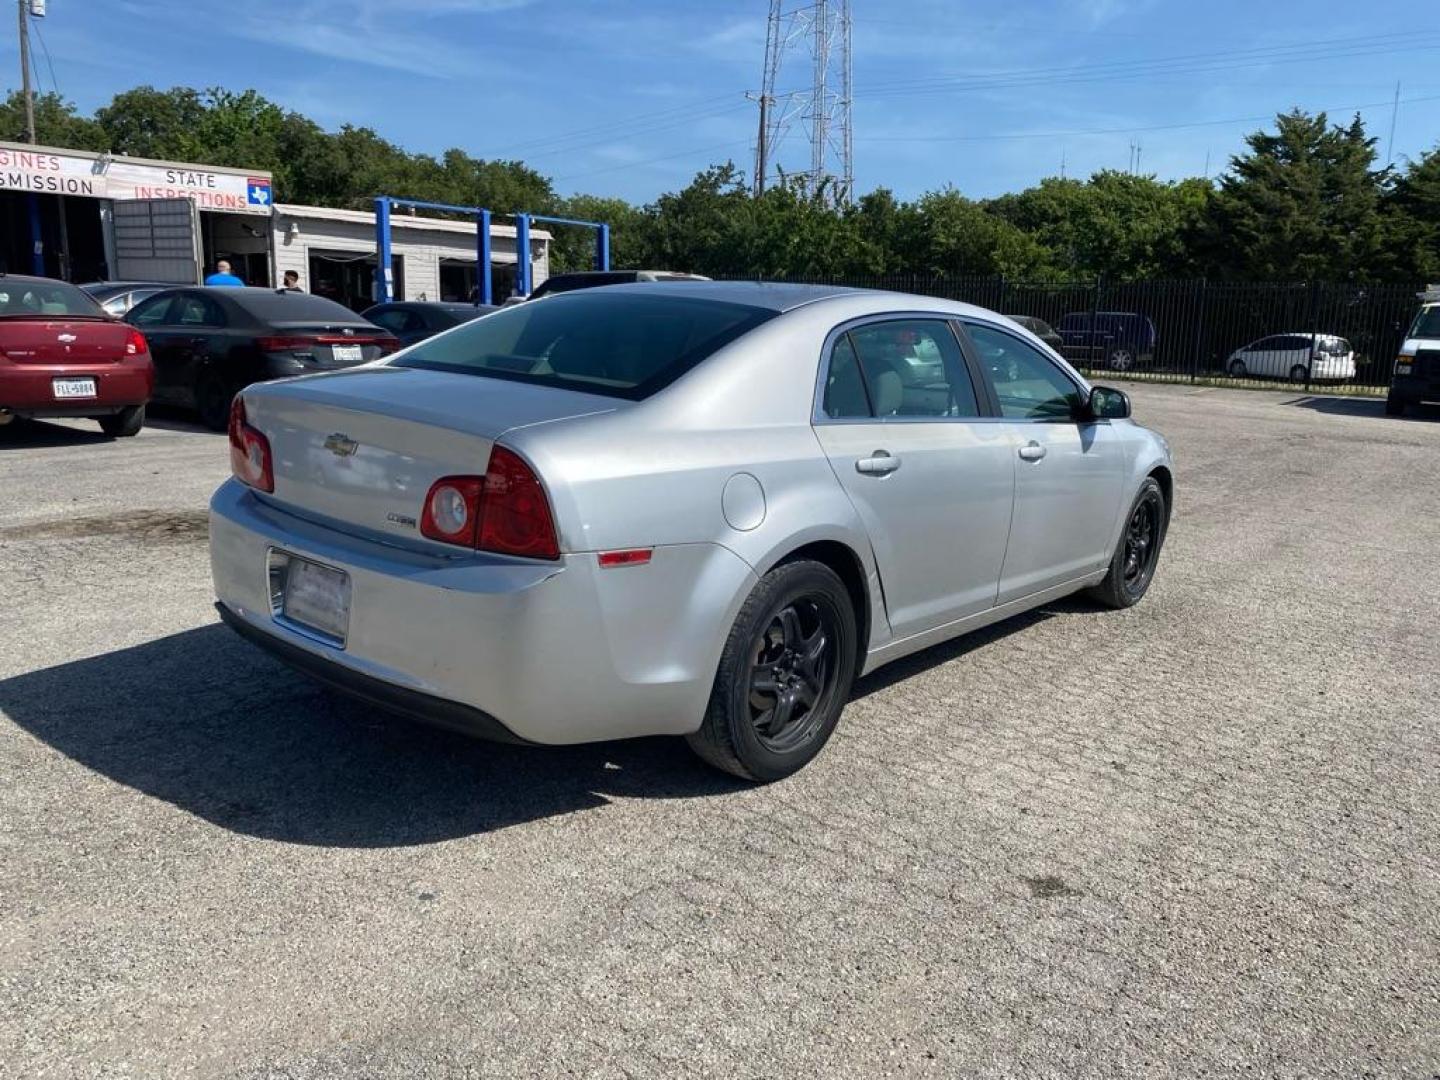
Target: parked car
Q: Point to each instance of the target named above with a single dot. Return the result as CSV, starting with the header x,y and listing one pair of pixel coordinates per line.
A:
x,y
556,524
61,355
415,320
589,279
1417,368
1041,329
207,343
1119,340
1297,357
118,297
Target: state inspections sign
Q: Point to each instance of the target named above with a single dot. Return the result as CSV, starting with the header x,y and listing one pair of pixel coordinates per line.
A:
x,y
58,173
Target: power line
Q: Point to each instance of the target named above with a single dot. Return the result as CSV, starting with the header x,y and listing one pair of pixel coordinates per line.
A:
x,y
998,136
651,161
1199,63
54,83
613,124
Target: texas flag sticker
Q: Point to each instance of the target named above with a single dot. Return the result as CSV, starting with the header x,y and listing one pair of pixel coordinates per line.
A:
x,y
257,191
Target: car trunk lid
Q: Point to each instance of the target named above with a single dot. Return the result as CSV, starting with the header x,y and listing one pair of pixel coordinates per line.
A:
x,y
63,340
328,344
360,449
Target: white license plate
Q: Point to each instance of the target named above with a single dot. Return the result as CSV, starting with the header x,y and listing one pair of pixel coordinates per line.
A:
x,y
317,597
73,388
347,354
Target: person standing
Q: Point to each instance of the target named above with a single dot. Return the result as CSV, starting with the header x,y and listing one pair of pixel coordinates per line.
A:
x,y
292,281
223,277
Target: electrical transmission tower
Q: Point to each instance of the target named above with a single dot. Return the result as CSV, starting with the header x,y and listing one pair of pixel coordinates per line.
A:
x,y
820,28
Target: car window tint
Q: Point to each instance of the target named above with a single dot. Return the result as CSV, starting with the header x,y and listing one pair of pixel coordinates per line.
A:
x,y
844,386
1028,384
193,310
152,312
24,298
624,344
397,320
1427,323
913,367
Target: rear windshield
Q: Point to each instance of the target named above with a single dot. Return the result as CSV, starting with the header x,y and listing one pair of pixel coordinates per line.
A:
x,y
1427,323
270,306
602,342
26,299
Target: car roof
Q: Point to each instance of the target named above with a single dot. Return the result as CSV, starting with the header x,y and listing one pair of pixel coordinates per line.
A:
x,y
34,279
769,295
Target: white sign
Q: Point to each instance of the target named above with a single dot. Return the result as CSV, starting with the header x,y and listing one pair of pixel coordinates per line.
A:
x,y
64,174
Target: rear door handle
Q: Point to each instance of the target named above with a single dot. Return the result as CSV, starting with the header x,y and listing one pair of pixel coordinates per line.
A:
x,y
879,463
1032,451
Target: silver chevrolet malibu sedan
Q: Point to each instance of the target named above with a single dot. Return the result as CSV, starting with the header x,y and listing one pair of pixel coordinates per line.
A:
x,y
696,509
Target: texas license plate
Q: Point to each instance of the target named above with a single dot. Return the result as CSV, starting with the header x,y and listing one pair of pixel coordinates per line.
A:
x,y
317,597
73,388
347,354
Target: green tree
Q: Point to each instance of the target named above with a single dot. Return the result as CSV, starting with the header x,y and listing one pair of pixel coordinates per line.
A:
x,y
1303,204
1412,221
1114,225
574,248
56,123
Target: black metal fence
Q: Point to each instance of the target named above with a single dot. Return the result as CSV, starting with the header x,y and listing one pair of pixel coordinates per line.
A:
x,y
1193,331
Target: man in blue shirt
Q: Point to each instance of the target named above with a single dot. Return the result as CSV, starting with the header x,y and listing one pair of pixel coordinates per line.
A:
x,y
223,276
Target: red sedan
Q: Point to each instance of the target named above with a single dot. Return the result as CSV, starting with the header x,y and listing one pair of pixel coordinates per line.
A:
x,y
61,355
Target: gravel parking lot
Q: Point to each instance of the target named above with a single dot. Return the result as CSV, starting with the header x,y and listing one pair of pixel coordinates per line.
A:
x,y
1198,837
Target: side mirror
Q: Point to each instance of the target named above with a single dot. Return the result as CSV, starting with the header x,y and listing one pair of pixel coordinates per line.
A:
x,y
1107,403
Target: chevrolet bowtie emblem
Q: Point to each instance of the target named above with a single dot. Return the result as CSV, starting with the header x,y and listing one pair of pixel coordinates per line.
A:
x,y
66,338
341,445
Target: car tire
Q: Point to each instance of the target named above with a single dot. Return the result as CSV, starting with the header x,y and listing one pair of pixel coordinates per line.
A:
x,y
1299,373
779,691
213,394
1121,359
1132,567
1394,406
125,423
1237,369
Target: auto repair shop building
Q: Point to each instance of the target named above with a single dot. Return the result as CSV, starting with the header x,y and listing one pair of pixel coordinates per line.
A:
x,y
84,216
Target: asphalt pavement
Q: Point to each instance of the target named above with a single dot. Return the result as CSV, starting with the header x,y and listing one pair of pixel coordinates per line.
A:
x,y
1199,837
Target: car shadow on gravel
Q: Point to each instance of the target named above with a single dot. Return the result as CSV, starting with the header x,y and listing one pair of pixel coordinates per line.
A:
x,y
35,434
936,655
1358,406
208,723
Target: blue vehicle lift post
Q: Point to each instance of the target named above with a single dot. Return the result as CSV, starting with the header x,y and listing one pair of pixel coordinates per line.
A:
x,y
384,279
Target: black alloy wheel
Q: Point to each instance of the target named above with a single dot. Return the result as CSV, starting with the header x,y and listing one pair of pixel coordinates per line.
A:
x,y
784,675
792,661
1132,567
1141,544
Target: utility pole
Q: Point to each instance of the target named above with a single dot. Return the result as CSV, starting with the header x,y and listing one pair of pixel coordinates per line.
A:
x,y
25,72
762,156
1394,115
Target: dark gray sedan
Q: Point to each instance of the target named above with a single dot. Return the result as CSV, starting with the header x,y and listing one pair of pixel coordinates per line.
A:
x,y
416,320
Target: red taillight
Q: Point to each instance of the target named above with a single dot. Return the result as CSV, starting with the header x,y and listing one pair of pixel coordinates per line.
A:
x,y
249,451
284,344
135,343
504,511
515,518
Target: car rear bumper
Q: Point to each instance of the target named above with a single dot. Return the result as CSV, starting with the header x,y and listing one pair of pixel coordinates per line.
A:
x,y
502,648
29,389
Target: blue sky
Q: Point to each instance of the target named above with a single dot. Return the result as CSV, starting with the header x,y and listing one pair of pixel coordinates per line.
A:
x,y
632,98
